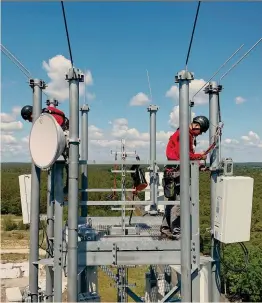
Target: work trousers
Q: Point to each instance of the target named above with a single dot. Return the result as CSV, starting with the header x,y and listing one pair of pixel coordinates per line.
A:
x,y
171,219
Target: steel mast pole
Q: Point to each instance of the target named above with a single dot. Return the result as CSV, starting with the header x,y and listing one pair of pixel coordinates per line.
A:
x,y
50,233
37,86
184,78
84,179
84,156
152,109
213,90
74,76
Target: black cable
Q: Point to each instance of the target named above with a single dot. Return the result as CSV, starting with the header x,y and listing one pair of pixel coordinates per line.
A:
x,y
237,270
192,35
67,34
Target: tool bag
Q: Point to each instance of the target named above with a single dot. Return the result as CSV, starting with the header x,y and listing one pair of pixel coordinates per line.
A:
x,y
170,181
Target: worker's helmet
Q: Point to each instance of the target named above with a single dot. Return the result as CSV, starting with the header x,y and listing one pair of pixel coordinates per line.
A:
x,y
203,122
26,112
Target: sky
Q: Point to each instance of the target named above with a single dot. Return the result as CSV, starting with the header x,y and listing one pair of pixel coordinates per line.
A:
x,y
115,44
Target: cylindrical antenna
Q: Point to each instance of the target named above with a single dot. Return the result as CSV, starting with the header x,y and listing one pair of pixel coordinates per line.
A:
x,y
150,91
192,35
218,70
240,59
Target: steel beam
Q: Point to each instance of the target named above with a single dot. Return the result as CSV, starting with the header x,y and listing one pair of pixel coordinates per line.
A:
x,y
110,221
103,203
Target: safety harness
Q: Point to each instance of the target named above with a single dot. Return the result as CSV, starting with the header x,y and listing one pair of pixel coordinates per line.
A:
x,y
171,176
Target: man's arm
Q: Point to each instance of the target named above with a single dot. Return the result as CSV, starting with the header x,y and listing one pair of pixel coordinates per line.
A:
x,y
193,156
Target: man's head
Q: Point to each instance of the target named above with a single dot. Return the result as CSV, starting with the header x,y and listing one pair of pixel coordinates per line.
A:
x,y
199,125
27,112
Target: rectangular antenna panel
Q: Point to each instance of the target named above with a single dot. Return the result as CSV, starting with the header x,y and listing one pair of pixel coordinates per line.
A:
x,y
160,195
25,196
233,209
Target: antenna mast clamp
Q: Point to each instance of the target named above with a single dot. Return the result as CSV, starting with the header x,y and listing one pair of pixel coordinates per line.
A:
x,y
52,101
75,74
152,108
85,108
37,82
184,75
212,89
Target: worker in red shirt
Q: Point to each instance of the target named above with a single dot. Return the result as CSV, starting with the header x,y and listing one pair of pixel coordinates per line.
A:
x,y
61,119
170,227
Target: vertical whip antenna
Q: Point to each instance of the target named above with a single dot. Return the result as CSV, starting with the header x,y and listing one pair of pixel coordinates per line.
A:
x,y
67,34
218,70
150,91
234,65
192,35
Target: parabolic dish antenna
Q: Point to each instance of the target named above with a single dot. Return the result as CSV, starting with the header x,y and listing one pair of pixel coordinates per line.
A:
x,y
47,141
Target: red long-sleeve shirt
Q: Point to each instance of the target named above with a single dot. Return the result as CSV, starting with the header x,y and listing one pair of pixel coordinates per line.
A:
x,y
60,116
173,146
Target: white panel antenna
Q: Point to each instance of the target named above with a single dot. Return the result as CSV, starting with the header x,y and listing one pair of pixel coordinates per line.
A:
x,y
25,196
160,194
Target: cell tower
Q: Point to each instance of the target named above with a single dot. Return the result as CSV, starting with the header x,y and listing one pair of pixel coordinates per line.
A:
x,y
83,243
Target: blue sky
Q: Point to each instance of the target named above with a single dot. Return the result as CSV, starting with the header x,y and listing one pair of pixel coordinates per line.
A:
x,y
117,42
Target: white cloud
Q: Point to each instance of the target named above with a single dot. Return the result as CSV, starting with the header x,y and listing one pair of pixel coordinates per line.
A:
x,y
240,100
8,139
95,132
231,141
120,130
194,86
25,139
57,68
6,118
14,149
174,117
90,96
16,125
102,141
252,139
139,99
